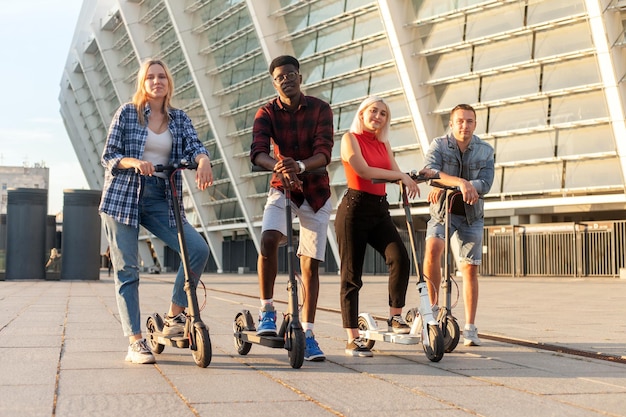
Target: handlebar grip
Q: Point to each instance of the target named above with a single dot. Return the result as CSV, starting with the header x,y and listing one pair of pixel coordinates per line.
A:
x,y
183,164
418,178
316,171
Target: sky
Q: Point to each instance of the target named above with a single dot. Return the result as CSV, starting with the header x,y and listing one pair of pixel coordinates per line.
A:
x,y
35,38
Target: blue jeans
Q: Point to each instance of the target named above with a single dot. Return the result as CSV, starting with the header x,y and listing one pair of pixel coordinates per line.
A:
x,y
124,246
470,236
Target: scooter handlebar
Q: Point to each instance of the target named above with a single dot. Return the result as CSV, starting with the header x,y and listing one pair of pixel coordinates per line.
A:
x,y
425,175
182,164
316,171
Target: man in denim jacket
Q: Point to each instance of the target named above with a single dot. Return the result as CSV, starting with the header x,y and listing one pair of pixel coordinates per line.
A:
x,y
465,161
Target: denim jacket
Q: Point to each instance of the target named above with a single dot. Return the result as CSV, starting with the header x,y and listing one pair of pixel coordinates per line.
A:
x,y
476,166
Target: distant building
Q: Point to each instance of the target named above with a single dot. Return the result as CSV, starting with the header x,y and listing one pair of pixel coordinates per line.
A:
x,y
37,176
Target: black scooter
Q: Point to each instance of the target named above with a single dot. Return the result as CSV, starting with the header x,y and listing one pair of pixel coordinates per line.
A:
x,y
196,333
291,334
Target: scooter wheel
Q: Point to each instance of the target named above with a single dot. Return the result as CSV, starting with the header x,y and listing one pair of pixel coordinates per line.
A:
x,y
364,325
153,325
239,326
203,353
451,333
298,342
435,351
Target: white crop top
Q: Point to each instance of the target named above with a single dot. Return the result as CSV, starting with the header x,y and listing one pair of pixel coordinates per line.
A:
x,y
158,149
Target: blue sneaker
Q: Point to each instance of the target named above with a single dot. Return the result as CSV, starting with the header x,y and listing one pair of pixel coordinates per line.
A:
x,y
312,351
267,321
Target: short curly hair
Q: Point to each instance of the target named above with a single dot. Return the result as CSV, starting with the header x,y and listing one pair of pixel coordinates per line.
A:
x,y
284,60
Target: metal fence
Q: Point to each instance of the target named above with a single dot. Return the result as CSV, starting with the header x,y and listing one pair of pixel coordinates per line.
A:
x,y
584,249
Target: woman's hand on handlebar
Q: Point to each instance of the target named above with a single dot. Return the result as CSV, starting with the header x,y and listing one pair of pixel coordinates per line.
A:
x,y
204,173
410,185
139,166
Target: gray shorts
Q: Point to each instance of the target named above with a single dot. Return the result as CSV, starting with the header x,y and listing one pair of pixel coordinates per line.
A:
x,y
469,237
313,225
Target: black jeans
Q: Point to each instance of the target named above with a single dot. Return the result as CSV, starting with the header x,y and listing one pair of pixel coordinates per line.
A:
x,y
364,219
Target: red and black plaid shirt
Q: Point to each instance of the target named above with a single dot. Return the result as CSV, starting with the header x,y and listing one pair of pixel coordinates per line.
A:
x,y
299,135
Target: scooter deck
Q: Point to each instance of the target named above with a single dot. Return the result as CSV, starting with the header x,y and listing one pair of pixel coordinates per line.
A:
x,y
176,341
391,337
269,341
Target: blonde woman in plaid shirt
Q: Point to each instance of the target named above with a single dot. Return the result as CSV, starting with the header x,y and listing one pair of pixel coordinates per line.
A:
x,y
146,132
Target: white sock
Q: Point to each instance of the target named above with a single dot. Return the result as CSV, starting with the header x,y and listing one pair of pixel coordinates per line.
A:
x,y
307,326
268,301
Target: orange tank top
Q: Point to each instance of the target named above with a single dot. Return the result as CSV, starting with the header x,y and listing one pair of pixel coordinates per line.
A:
x,y
375,154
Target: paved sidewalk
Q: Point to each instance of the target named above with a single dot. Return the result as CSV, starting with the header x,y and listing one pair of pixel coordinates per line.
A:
x,y
62,354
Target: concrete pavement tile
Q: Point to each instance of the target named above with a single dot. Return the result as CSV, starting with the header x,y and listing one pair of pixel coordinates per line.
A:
x,y
221,365
92,314
272,406
132,379
100,342
19,330
37,316
415,377
103,331
204,388
540,382
28,366
356,392
418,412
157,404
562,364
495,401
606,403
27,400
30,340
81,360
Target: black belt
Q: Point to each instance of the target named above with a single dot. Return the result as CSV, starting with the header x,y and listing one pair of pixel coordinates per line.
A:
x,y
365,196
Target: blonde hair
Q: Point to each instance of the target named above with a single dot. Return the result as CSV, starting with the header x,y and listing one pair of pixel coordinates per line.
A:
x,y
140,98
357,122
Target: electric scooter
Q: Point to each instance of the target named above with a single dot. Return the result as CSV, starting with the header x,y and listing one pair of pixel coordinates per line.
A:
x,y
196,333
291,334
447,322
427,330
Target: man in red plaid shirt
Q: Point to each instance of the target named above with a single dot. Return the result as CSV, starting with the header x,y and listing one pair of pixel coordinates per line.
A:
x,y
300,128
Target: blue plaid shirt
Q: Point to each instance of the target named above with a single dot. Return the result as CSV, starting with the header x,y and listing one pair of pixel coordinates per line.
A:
x,y
127,138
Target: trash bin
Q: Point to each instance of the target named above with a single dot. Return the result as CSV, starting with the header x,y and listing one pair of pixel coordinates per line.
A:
x,y
26,233
80,242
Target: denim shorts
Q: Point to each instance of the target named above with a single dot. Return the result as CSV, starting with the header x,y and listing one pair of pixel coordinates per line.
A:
x,y
469,237
313,224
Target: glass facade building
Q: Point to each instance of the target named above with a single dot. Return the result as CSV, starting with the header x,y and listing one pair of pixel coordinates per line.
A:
x,y
547,78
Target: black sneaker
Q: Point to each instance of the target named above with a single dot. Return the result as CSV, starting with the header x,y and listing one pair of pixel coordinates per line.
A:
x,y
398,325
358,348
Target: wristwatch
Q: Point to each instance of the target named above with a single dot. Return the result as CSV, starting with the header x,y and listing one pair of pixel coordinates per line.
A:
x,y
302,167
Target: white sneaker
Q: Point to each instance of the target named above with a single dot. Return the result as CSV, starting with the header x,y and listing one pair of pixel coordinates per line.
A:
x,y
470,336
139,352
174,326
